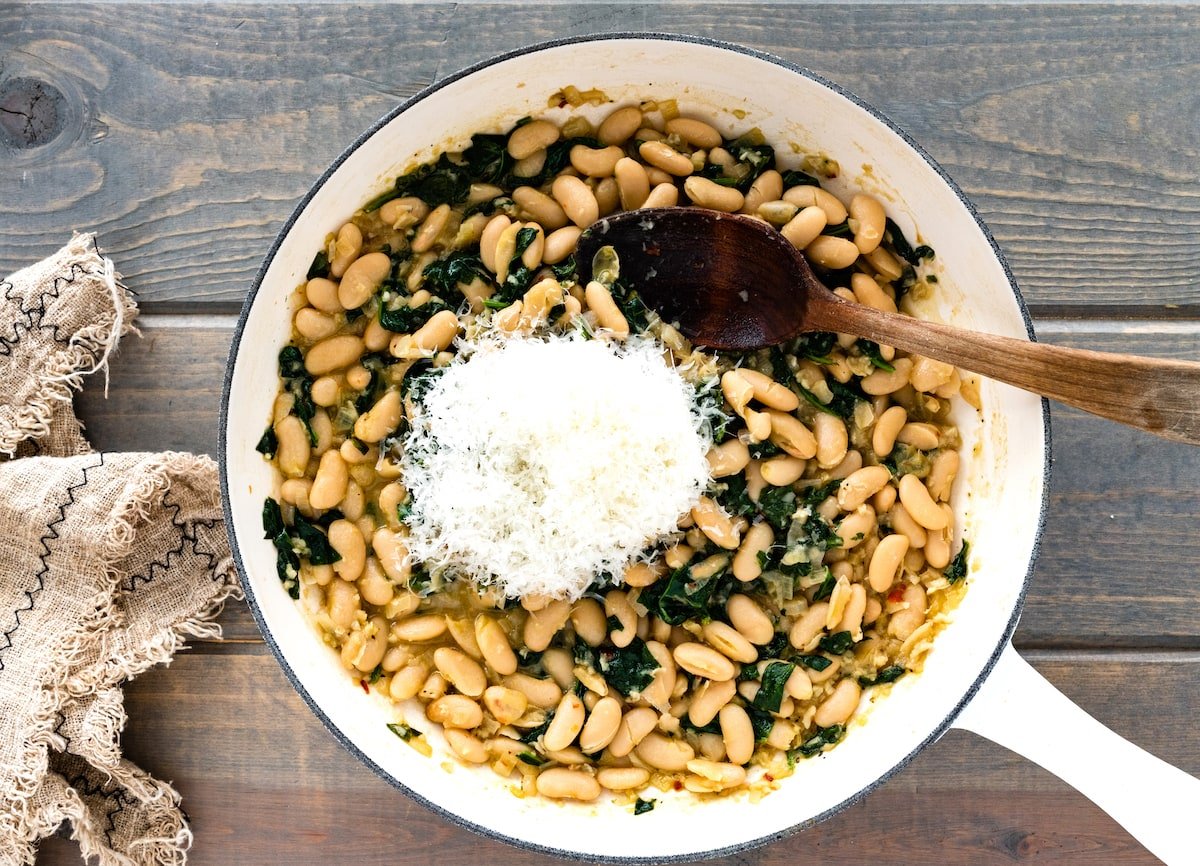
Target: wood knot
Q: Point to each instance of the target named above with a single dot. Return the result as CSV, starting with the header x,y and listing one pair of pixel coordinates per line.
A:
x,y
32,113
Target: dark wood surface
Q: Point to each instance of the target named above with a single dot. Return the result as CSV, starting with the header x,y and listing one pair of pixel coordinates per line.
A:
x,y
184,135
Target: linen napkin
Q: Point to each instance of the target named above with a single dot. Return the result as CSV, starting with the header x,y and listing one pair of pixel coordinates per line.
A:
x,y
108,561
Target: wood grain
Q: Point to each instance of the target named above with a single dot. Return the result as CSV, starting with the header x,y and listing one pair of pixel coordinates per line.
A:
x,y
1120,547
264,782
190,131
185,134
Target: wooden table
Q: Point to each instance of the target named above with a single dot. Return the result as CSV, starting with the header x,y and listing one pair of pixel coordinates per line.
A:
x,y
183,135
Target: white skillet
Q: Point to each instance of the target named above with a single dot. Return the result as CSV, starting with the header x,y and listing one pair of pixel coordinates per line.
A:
x,y
972,679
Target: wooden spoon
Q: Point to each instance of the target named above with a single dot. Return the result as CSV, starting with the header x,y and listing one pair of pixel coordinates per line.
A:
x,y
731,282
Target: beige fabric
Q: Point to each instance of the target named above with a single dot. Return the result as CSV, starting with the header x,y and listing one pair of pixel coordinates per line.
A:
x,y
107,562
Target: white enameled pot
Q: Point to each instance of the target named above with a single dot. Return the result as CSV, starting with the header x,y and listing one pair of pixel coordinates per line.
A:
x,y
972,678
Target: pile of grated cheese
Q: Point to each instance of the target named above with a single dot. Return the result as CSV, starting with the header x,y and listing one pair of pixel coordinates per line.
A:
x,y
537,464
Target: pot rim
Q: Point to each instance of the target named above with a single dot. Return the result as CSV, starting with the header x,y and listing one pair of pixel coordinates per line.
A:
x,y
934,734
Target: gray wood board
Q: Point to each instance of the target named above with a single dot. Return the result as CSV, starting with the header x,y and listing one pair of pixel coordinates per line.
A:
x,y
263,782
189,132
1119,556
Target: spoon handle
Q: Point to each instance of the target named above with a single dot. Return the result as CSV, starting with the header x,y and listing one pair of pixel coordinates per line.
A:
x,y
1156,395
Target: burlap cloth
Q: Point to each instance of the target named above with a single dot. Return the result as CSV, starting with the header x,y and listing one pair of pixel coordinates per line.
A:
x,y
107,562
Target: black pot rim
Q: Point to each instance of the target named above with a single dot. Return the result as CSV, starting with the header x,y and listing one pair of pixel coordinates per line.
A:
x,y
313,705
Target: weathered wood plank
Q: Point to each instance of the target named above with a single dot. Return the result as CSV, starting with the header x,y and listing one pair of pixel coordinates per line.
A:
x,y
264,783
1120,540
189,131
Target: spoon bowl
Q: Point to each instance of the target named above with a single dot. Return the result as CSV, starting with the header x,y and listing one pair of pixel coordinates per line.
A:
x,y
732,282
727,287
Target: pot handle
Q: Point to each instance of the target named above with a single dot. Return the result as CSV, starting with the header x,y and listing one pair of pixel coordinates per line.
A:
x,y
1019,709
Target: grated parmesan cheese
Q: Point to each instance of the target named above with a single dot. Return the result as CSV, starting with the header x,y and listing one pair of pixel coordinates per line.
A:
x,y
538,464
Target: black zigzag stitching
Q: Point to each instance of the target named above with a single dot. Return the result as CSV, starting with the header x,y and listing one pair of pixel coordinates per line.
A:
x,y
35,314
114,795
187,535
44,556
54,294
8,340
58,729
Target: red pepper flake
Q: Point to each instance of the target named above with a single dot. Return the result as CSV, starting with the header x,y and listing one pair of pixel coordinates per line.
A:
x,y
366,688
678,785
896,595
768,777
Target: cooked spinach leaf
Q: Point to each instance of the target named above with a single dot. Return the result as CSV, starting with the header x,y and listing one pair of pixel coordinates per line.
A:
x,y
403,731
631,306
770,693
524,238
527,658
845,397
487,158
566,271
887,675
818,493
641,807
826,588
775,648
817,663
837,643
311,542
319,266
441,183
841,230
629,669
406,320
816,402
777,505
957,569
822,738
814,532
268,444
761,721
870,349
299,384
732,496
815,347
781,371
301,539
893,235
374,363
679,597
287,565
531,736
459,267
764,449
291,362
792,178
756,157
329,516
533,759
272,518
